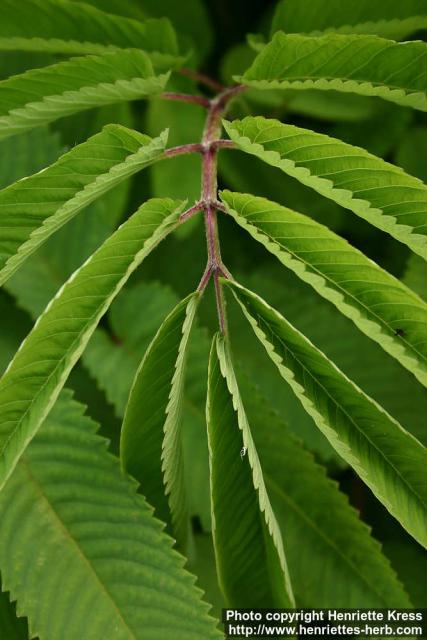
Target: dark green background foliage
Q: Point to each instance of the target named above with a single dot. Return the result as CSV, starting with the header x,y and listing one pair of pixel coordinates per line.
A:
x,y
311,516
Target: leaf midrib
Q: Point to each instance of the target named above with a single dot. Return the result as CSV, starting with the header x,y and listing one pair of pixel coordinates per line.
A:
x,y
322,535
69,94
325,277
86,561
311,375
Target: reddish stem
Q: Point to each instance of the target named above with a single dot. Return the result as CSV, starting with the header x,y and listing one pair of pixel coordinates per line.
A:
x,y
199,206
208,202
201,78
186,97
223,144
196,147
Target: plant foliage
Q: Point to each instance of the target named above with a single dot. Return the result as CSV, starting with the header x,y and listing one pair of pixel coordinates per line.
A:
x,y
225,444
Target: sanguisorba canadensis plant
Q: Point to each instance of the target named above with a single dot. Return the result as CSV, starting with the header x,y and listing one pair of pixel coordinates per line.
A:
x,y
212,478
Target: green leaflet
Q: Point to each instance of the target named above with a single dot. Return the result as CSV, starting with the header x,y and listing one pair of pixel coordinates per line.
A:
x,y
361,359
43,95
366,65
375,190
11,627
379,304
416,276
33,208
113,357
113,361
387,458
344,562
40,368
192,21
68,511
31,152
250,560
59,26
394,19
151,438
178,177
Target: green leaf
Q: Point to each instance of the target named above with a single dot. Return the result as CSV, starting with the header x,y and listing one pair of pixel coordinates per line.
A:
x,y
113,357
250,559
387,458
113,360
375,190
411,150
67,510
416,276
11,627
192,21
151,438
127,8
342,564
410,561
35,207
40,368
43,95
366,65
361,359
59,26
394,20
14,325
379,304
31,152
179,177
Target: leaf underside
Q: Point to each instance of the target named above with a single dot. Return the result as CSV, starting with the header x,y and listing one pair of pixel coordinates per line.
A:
x,y
35,207
40,96
387,458
364,16
40,368
373,189
344,562
151,437
250,560
379,304
366,65
60,26
68,511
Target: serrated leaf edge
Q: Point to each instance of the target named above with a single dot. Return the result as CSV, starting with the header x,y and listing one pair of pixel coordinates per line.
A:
x,y
344,197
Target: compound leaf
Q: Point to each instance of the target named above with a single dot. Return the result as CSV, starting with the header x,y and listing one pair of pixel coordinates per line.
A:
x,y
344,562
375,190
250,559
151,438
35,207
365,65
40,96
67,510
387,458
113,361
395,20
396,389
380,305
40,368
59,26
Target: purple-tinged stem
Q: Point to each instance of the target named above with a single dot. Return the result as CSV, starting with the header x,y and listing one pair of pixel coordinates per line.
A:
x,y
224,144
186,97
220,207
199,206
196,147
208,148
201,78
220,303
